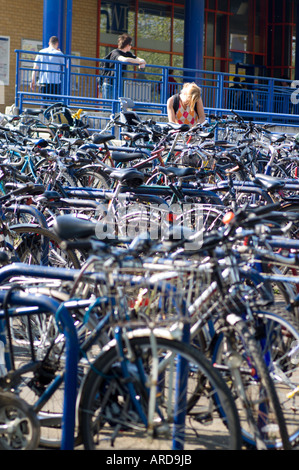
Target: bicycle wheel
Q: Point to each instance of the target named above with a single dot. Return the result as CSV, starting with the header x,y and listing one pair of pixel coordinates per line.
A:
x,y
292,207
93,178
201,217
19,426
37,245
280,346
246,371
107,412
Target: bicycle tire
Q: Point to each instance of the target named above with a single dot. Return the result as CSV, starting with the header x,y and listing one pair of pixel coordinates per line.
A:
x,y
262,431
282,339
117,413
93,178
47,177
291,207
21,423
28,243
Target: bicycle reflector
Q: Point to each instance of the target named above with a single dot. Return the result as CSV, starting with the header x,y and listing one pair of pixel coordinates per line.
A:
x,y
228,217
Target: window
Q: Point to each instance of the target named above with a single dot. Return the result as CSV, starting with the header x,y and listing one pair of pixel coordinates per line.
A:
x,y
157,28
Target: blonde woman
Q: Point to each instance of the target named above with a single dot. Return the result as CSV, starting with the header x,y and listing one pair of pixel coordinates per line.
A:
x,y
186,107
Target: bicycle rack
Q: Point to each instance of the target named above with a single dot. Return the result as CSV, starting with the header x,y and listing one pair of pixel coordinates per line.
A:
x,y
72,355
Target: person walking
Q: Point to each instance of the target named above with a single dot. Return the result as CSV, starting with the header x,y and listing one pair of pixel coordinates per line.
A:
x,y
123,54
186,107
48,67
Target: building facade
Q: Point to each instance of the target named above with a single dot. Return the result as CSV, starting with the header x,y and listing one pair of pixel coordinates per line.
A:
x,y
253,37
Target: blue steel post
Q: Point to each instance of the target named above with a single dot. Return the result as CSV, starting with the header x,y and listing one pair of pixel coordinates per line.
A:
x,y
72,356
53,21
67,79
194,34
164,85
220,92
68,50
270,96
17,85
118,82
297,45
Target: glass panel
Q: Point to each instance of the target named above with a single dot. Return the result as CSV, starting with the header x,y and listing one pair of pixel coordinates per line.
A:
x,y
117,17
217,65
259,32
212,4
209,64
178,30
223,5
278,10
238,8
238,26
154,26
277,44
177,61
221,36
210,35
287,44
155,58
288,10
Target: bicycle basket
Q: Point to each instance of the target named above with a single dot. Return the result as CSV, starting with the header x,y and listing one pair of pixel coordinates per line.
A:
x,y
60,115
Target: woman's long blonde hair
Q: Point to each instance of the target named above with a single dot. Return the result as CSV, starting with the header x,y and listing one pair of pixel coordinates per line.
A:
x,y
194,91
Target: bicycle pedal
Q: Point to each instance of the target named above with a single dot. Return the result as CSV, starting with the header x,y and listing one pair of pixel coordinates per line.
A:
x,y
204,418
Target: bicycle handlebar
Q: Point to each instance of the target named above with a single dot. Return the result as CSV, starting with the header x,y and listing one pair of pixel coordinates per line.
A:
x,y
52,106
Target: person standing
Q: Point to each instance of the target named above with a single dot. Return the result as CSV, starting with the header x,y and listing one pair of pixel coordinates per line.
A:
x,y
236,97
172,83
48,65
123,54
186,107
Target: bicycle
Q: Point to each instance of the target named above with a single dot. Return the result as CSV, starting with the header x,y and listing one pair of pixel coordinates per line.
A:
x,y
139,408
219,319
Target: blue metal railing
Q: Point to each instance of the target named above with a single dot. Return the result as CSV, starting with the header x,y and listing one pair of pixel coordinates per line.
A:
x,y
262,99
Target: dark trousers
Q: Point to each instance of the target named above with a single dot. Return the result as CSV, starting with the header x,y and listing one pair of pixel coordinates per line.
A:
x,y
50,89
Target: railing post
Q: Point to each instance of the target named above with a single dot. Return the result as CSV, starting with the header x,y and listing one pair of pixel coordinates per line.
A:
x,y
220,91
164,85
118,82
17,78
66,85
270,96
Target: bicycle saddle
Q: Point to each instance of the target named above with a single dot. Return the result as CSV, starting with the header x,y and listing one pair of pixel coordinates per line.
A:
x,y
102,138
270,183
178,127
127,176
69,227
134,135
126,157
178,172
32,112
88,146
25,189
